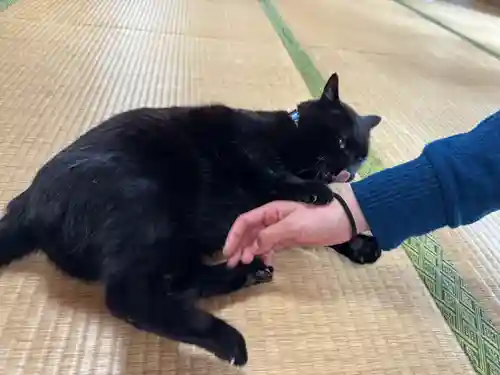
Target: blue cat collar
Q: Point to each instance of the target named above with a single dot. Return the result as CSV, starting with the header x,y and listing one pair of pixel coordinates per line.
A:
x,y
294,115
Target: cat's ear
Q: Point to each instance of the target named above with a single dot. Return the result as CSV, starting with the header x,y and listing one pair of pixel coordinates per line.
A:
x,y
369,122
331,90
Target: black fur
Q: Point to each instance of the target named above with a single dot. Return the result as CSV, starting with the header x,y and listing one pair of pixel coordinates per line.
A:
x,y
362,249
137,202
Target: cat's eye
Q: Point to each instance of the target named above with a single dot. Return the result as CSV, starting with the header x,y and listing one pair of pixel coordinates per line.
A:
x,y
342,143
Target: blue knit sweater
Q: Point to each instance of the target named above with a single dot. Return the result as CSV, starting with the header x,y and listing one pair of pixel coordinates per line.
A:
x,y
454,182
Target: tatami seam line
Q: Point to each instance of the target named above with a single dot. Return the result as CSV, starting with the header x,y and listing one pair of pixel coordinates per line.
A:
x,y
450,29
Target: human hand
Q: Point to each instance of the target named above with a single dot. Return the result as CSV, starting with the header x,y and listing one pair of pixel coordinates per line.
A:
x,y
283,224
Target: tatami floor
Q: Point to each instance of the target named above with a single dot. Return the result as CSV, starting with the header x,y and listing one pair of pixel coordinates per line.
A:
x,y
66,64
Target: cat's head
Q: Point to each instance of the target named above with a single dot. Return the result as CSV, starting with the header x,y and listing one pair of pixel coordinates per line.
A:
x,y
331,136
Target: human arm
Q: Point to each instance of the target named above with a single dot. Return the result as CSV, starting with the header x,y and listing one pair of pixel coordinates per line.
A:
x,y
455,181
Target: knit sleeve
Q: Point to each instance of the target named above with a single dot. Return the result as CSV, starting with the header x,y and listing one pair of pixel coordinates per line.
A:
x,y
454,182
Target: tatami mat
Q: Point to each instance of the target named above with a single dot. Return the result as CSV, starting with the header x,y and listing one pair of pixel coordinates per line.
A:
x,y
67,64
476,20
426,82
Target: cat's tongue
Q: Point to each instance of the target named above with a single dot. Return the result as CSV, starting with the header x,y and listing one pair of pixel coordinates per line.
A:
x,y
344,176
347,175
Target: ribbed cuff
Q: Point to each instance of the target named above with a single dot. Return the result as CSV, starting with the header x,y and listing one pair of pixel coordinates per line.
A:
x,y
401,202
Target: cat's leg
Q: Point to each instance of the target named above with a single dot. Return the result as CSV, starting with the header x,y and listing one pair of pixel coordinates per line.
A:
x,y
149,307
220,279
290,187
282,185
276,184
362,249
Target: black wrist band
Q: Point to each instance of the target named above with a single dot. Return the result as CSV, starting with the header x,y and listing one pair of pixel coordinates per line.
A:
x,y
350,217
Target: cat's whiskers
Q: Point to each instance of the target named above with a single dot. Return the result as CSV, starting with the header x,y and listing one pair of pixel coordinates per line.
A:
x,y
306,170
318,174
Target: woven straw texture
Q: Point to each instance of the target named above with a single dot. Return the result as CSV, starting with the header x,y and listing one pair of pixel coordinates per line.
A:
x,y
68,64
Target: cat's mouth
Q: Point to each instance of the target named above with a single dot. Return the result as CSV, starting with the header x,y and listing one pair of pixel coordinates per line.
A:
x,y
342,177
322,173
328,177
348,174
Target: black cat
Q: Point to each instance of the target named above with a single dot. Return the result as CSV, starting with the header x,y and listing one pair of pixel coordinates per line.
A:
x,y
139,201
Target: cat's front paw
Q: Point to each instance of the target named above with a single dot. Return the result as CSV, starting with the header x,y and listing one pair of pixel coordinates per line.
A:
x,y
315,193
298,190
362,249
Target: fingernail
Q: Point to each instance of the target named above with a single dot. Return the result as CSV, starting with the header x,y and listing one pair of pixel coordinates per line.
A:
x,y
268,259
231,262
248,256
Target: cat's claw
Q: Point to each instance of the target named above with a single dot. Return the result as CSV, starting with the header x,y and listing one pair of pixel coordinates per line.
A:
x,y
230,346
317,193
319,200
260,276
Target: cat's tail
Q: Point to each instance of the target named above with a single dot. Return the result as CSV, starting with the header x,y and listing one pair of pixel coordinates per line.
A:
x,y
16,238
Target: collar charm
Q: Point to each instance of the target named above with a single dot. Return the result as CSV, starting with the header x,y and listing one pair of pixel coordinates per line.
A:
x,y
294,115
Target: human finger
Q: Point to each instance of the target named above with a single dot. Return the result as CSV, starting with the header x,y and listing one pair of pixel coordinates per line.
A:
x,y
244,225
274,237
247,256
268,258
241,230
234,259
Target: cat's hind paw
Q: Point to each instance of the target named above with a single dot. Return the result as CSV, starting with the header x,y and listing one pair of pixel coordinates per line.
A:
x,y
362,249
259,273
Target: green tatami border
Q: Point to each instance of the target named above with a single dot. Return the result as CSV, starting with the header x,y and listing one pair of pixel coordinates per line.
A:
x,y
4,4
461,310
